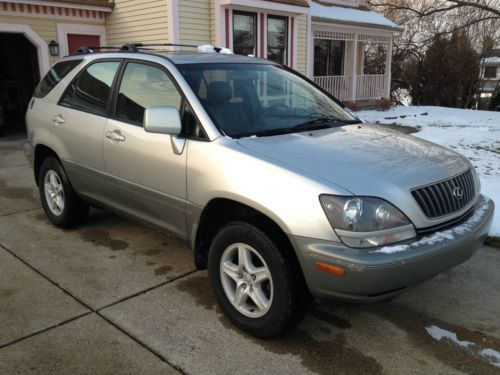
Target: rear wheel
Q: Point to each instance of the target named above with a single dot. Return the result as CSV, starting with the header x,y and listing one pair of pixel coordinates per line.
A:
x,y
60,202
253,281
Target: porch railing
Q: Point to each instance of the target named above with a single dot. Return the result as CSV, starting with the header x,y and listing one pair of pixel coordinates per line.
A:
x,y
338,86
368,87
373,86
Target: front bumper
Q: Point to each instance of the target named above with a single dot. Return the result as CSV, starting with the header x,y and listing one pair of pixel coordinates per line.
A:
x,y
381,273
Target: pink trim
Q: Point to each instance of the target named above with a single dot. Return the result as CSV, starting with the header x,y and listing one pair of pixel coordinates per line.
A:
x,y
227,28
262,29
292,37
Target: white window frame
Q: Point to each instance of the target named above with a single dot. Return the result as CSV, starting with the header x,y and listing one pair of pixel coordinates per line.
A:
x,y
63,29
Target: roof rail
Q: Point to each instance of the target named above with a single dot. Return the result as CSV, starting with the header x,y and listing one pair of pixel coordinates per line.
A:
x,y
83,50
137,47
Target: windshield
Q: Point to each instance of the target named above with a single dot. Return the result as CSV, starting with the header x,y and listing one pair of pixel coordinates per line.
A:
x,y
259,99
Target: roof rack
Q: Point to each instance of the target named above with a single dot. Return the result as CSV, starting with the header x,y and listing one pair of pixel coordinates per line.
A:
x,y
83,50
137,47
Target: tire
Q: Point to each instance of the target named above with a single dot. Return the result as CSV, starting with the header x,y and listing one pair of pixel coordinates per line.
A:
x,y
283,289
60,202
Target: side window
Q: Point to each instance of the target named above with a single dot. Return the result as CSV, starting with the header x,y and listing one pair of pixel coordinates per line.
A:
x,y
91,91
144,86
54,76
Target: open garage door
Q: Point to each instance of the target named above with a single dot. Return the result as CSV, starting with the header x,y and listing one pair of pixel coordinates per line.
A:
x,y
19,75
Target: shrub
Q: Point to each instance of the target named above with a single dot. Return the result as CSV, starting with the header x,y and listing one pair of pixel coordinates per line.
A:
x,y
384,104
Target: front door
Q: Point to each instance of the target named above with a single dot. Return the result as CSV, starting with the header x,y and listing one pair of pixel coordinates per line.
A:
x,y
148,179
76,41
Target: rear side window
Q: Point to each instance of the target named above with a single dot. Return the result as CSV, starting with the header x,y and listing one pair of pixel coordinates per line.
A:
x,y
54,76
91,90
144,86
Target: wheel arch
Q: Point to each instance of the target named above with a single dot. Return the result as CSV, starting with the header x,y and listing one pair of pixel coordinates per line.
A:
x,y
220,211
41,153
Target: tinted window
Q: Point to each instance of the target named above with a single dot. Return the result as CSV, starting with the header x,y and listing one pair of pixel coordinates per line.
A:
x,y
54,76
93,88
144,86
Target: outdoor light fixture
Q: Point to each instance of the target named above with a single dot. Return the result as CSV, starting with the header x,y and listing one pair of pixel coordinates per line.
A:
x,y
53,48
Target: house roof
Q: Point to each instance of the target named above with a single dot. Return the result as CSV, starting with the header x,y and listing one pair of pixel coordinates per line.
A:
x,y
101,3
302,3
352,16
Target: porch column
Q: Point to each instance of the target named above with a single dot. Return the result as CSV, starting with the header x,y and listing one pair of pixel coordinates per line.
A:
x,y
355,69
388,68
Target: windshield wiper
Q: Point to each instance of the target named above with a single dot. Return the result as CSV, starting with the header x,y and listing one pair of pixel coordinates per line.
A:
x,y
325,120
316,124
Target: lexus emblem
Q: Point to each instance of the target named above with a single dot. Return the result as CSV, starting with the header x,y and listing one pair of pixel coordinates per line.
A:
x,y
458,192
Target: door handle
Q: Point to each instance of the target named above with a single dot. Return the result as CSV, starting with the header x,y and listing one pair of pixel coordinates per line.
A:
x,y
58,119
115,135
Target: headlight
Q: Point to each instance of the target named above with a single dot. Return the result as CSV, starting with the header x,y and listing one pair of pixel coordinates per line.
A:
x,y
366,221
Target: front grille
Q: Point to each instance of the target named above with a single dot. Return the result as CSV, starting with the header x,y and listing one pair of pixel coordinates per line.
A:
x,y
446,197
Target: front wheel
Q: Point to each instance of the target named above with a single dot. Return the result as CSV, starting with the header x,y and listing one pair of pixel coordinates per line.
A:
x,y
253,281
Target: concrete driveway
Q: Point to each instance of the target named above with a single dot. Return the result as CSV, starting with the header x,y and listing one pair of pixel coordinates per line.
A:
x,y
116,297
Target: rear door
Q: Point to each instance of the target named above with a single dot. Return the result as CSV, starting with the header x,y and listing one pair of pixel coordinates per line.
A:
x,y
147,179
79,120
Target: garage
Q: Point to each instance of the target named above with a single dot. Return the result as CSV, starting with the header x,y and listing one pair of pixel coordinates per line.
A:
x,y
19,75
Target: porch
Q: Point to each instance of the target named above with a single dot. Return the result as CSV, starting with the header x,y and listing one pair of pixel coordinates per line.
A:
x,y
352,66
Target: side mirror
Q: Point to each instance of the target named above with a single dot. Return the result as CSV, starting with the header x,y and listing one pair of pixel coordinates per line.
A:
x,y
163,120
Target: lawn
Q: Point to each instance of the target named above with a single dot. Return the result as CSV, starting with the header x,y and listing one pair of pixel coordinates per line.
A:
x,y
475,134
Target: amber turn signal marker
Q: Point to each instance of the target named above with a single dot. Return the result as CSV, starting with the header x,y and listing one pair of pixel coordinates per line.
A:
x,y
337,271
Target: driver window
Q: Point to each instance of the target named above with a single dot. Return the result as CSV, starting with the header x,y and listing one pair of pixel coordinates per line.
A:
x,y
144,86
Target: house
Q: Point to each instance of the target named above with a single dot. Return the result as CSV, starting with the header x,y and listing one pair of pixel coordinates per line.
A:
x,y
341,45
489,76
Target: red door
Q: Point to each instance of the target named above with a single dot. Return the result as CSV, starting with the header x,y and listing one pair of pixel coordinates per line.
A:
x,y
76,41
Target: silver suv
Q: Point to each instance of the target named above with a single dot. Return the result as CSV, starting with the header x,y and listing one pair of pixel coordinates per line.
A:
x,y
282,193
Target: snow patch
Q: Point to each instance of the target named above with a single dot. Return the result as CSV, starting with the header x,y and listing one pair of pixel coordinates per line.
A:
x,y
492,355
439,334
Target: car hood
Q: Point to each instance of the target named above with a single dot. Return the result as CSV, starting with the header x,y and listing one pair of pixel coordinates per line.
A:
x,y
363,158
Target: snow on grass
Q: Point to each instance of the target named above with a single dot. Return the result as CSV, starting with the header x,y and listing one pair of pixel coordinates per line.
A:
x,y
491,355
475,134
